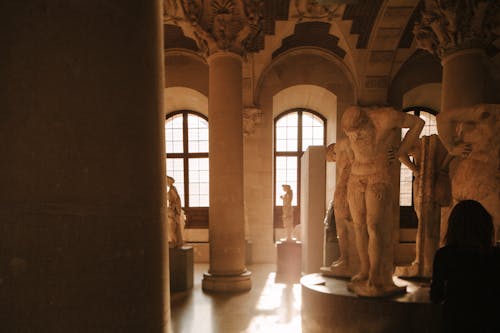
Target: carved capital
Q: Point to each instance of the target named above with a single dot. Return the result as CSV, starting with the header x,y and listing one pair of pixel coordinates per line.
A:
x,y
450,25
219,25
251,117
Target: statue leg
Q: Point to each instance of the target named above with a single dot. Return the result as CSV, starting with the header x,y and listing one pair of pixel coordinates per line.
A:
x,y
356,199
343,260
379,221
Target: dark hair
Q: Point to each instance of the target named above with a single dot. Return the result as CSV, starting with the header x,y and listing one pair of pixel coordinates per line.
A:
x,y
470,225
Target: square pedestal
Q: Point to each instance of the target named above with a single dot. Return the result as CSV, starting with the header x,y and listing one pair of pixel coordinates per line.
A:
x,y
288,268
181,268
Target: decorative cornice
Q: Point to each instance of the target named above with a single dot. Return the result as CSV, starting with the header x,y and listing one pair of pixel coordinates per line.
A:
x,y
450,25
219,25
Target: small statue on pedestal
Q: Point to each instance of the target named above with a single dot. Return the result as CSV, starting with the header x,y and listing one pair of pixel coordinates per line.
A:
x,y
175,215
287,215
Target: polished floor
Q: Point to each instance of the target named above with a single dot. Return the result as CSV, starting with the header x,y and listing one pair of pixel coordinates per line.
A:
x,y
268,308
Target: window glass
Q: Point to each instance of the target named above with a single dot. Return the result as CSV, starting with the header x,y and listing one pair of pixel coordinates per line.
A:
x,y
295,131
189,167
174,134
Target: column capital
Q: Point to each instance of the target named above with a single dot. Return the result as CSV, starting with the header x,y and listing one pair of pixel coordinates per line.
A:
x,y
447,26
218,25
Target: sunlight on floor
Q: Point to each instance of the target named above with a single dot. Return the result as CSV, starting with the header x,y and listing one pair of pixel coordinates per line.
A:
x,y
278,308
268,307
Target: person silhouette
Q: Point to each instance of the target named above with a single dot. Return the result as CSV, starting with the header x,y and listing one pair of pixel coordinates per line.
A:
x,y
466,272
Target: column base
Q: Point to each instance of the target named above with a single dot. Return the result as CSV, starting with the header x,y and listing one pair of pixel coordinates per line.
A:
x,y
227,283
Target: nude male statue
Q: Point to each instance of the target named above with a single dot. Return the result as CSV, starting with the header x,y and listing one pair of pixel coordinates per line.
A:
x,y
346,264
371,133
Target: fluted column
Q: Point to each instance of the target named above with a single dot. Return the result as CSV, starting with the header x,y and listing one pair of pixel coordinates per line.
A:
x,y
227,270
82,188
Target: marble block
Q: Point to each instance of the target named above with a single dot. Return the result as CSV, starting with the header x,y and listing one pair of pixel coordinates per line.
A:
x,y
181,268
288,268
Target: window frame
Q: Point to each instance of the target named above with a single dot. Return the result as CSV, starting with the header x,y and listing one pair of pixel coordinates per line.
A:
x,y
196,217
277,210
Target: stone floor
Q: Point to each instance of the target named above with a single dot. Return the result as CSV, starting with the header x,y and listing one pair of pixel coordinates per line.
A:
x,y
268,307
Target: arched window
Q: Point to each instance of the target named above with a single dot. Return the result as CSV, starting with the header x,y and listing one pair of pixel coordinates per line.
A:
x,y
186,139
294,131
406,177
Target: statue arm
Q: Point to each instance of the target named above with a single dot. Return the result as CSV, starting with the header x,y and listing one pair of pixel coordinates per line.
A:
x,y
415,125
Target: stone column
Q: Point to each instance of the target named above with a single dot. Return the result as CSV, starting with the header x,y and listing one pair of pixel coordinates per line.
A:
x,y
465,79
460,32
82,167
224,30
227,270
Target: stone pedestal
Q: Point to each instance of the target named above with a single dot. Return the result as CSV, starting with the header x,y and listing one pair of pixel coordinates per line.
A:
x,y
328,307
312,207
288,268
181,268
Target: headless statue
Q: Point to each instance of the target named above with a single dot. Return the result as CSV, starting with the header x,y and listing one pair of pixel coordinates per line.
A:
x,y
371,133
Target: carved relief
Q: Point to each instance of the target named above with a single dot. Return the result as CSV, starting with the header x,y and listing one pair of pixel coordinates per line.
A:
x,y
251,118
172,11
316,9
472,136
219,25
449,25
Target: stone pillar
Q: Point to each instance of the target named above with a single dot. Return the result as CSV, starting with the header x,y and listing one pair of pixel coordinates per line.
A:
x,y
460,32
82,167
312,207
227,270
224,32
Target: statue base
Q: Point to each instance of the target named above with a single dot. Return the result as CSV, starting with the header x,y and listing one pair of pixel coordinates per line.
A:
x,y
415,270
363,289
289,266
181,268
410,312
338,270
227,283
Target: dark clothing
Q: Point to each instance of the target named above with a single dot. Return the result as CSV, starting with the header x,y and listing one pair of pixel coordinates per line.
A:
x,y
467,283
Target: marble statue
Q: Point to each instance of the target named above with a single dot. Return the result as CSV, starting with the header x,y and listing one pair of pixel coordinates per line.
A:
x,y
287,215
429,157
347,263
372,133
175,215
472,136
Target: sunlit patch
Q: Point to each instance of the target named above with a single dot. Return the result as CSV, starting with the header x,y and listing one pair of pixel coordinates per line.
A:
x,y
278,308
